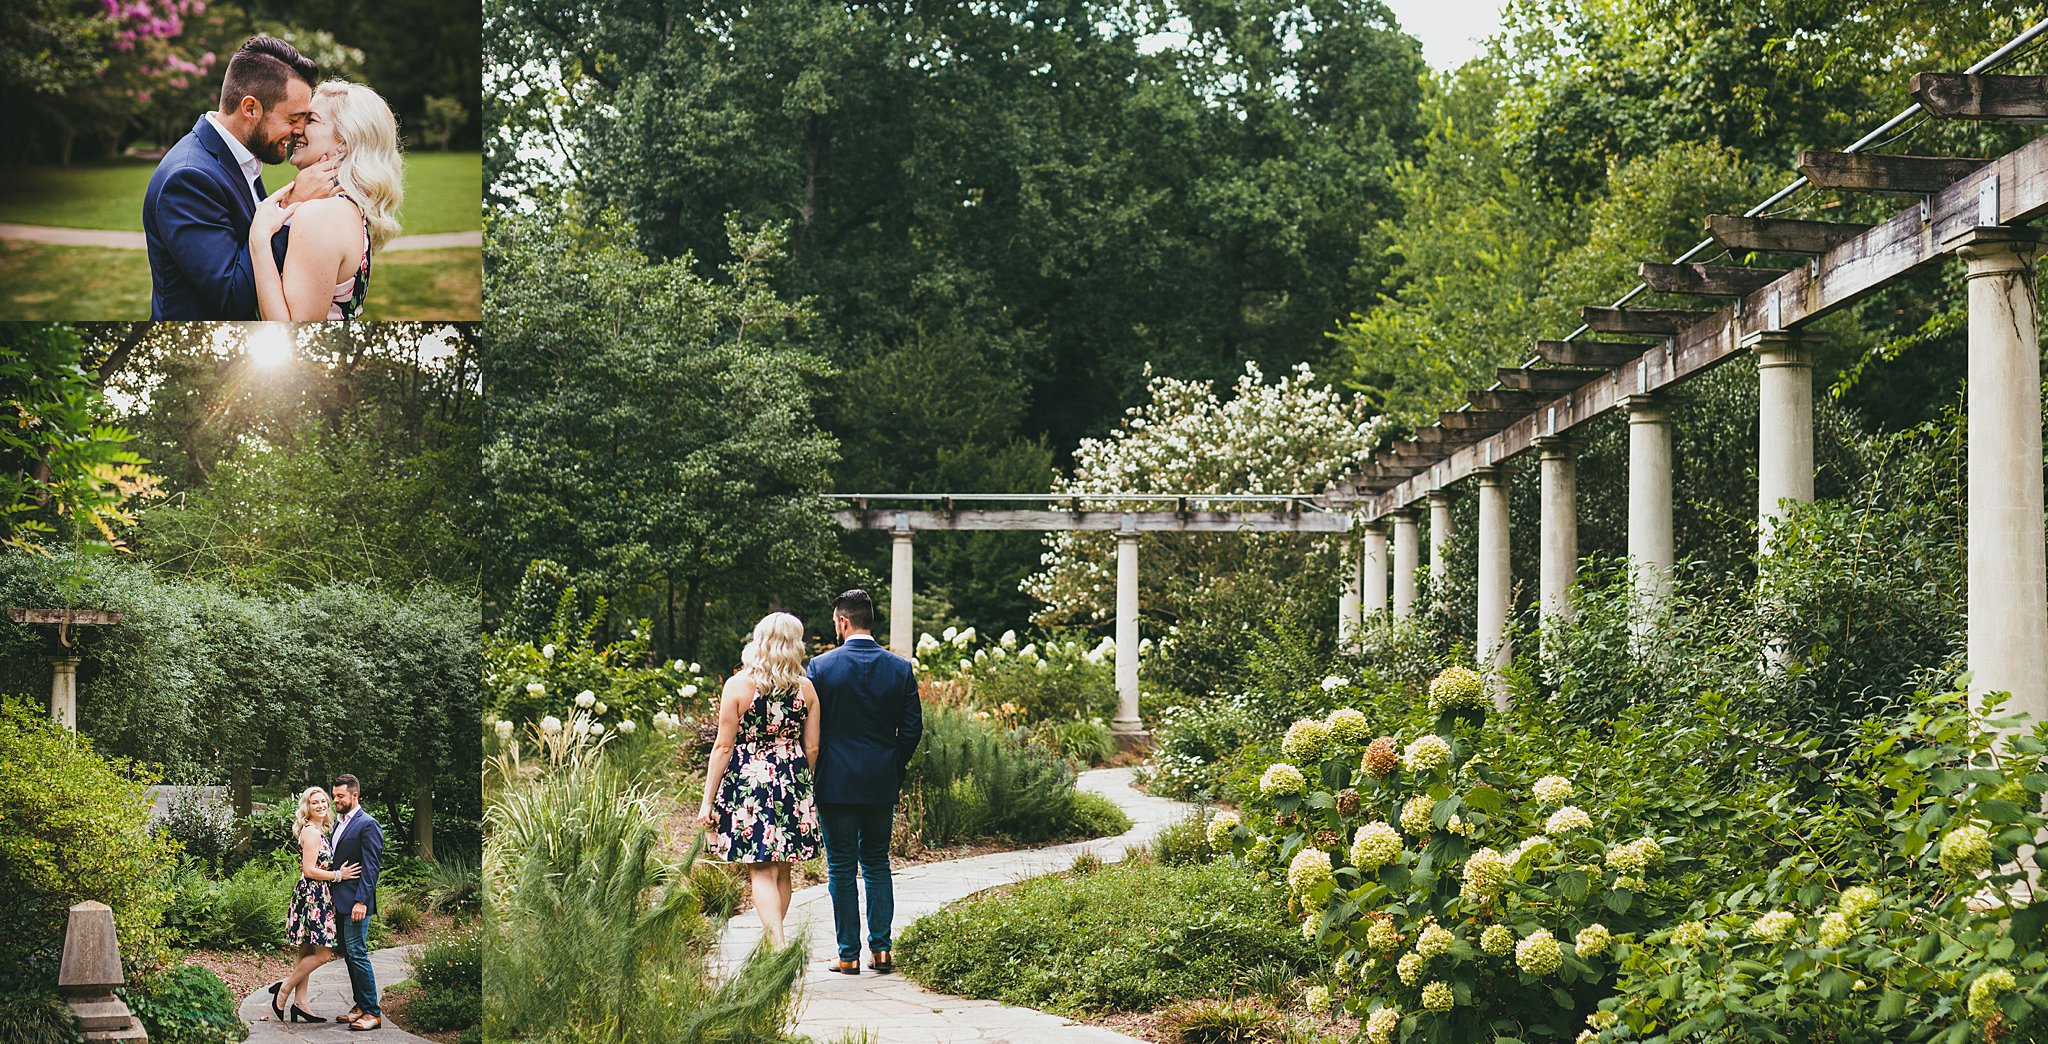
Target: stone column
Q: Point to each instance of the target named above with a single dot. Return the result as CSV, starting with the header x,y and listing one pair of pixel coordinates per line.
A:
x,y
64,691
1494,648
1650,549
2008,564
1407,559
902,630
1127,727
1440,530
1351,553
1784,462
1375,579
1559,527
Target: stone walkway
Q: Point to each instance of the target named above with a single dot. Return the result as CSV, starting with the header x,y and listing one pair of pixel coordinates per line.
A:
x,y
331,997
106,237
895,1010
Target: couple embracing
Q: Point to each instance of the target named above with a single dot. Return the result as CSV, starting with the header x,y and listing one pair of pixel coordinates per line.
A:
x,y
803,753
341,849
221,247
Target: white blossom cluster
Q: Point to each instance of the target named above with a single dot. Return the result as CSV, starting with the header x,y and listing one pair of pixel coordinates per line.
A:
x,y
1290,436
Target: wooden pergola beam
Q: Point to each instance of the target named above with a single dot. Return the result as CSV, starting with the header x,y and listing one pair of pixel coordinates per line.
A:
x,y
1601,355
1504,398
1438,437
1781,235
1552,382
1984,96
1478,420
1654,322
1032,519
1889,175
1705,280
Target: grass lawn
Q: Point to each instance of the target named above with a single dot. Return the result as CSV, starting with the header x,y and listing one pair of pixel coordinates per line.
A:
x,y
41,281
443,193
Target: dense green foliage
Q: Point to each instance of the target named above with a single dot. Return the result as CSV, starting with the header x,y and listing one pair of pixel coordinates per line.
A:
x,y
73,828
223,687
970,779
592,933
64,471
1122,937
652,432
450,972
185,1004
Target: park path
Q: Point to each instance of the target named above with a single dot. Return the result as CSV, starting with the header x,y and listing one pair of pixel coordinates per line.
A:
x,y
896,1010
103,237
331,997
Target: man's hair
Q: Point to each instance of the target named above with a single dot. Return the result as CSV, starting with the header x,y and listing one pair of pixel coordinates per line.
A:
x,y
346,780
264,69
858,608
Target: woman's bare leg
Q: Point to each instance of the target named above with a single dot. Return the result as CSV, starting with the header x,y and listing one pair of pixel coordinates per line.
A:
x,y
782,881
770,901
312,957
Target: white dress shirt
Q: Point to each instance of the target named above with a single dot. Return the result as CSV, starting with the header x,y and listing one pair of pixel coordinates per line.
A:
x,y
252,168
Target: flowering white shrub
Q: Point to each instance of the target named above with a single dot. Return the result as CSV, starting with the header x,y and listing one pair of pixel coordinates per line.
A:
x,y
1458,689
1553,790
1425,754
1306,741
1538,953
1282,778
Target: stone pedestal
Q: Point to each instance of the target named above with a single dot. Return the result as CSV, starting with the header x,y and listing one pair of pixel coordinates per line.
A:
x,y
1494,648
64,691
902,636
1559,527
2008,563
1128,729
88,973
1650,549
1407,559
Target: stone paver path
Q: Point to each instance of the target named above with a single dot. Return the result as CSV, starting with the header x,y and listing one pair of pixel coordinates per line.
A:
x,y
107,237
895,1010
331,997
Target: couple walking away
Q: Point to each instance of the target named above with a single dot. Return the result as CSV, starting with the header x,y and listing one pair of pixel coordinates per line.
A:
x,y
221,248
338,863
799,752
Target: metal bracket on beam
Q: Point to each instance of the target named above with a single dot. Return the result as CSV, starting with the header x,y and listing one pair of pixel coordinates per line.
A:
x,y
1987,200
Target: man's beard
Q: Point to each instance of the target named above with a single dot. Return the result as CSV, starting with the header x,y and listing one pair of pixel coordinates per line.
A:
x,y
277,151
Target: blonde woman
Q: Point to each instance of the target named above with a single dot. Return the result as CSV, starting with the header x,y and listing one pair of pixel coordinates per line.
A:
x,y
757,791
326,271
310,924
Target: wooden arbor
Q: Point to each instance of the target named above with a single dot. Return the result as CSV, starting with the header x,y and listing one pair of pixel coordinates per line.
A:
x,y
1977,210
903,515
64,662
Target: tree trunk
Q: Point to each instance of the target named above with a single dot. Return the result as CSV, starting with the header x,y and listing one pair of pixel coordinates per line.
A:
x,y
423,814
238,785
693,620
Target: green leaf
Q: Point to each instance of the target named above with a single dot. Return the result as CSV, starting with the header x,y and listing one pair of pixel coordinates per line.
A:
x,y
1573,885
1620,899
1891,1006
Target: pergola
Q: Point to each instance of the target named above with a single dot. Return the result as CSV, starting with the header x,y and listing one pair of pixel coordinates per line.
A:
x,y
1974,209
903,515
64,663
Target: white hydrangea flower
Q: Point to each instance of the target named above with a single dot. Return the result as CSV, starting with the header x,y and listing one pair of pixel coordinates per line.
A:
x,y
1307,741
1772,926
1553,790
1538,953
1416,815
585,698
1437,996
1426,753
1410,967
547,652
1435,941
551,725
536,689
582,727
1282,778
1567,819
1592,940
1332,683
687,691
1375,845
1689,934
1381,1024
1311,867
599,708
504,730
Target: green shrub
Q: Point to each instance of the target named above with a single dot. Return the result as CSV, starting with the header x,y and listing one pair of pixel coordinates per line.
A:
x,y
73,827
719,887
246,910
1086,743
1096,816
38,1018
1059,679
1125,937
1193,743
449,969
1225,1020
401,915
970,779
270,829
205,830
185,1004
1184,841
453,884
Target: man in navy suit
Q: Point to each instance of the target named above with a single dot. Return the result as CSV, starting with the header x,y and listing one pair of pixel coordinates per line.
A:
x,y
195,216
357,839
872,722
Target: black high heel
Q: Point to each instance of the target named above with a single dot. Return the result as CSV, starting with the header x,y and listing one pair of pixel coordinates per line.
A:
x,y
276,1005
303,1016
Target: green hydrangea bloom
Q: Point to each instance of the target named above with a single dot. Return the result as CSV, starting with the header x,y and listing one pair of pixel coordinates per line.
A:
x,y
1538,953
1307,741
1592,940
1311,867
1415,815
1984,991
1282,778
1437,996
1348,727
1457,688
1375,845
1498,940
1966,850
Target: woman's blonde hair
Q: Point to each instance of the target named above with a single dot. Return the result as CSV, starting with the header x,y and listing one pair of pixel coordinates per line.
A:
x,y
304,817
371,169
776,654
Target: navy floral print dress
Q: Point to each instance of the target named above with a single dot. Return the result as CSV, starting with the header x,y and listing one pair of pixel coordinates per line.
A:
x,y
310,919
765,809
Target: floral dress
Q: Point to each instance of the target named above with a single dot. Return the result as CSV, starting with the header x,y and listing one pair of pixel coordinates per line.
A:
x,y
311,919
765,808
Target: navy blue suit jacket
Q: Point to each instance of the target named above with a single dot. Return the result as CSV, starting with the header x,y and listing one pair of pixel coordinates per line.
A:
x,y
872,722
195,220
361,841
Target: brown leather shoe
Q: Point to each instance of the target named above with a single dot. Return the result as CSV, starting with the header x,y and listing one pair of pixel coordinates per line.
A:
x,y
882,961
353,1014
844,967
367,1022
